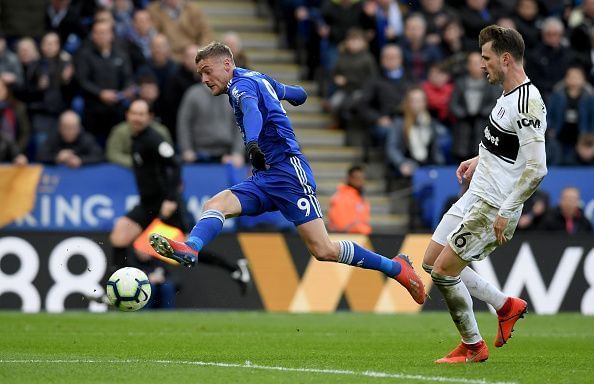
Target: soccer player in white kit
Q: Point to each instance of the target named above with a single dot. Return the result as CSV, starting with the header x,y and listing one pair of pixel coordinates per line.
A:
x,y
510,166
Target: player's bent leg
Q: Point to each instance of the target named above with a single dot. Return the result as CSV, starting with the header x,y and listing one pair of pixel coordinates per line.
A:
x,y
322,248
431,253
124,232
446,276
316,239
224,204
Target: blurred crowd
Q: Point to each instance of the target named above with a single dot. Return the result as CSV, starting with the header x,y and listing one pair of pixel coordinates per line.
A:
x,y
407,73
69,69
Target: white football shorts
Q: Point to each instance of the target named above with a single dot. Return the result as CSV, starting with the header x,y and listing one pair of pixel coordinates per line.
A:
x,y
468,228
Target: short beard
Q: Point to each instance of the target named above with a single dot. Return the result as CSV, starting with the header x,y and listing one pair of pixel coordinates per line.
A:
x,y
497,79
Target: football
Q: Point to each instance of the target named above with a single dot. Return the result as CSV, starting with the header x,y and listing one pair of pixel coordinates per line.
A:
x,y
128,289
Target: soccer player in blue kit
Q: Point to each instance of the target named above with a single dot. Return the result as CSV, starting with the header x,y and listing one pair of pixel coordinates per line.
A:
x,y
282,178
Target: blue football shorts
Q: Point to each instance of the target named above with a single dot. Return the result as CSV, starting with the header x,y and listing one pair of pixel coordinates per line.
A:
x,y
288,186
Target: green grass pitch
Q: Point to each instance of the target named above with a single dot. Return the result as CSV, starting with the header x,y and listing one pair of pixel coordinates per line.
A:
x,y
257,347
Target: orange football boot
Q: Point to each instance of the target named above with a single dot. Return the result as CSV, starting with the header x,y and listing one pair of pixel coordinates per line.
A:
x,y
409,279
517,309
465,353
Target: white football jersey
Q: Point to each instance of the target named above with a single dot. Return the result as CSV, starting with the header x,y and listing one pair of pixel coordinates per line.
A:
x,y
518,118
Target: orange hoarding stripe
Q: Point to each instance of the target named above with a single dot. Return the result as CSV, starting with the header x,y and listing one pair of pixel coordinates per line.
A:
x,y
272,268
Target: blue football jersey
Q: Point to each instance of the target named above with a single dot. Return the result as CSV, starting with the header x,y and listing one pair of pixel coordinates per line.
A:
x,y
277,138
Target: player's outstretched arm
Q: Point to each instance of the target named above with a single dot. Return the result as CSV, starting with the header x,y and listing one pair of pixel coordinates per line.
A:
x,y
294,94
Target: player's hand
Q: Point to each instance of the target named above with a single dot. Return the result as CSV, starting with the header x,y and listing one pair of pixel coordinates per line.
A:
x,y
256,156
499,226
20,159
466,169
189,156
167,208
73,161
108,96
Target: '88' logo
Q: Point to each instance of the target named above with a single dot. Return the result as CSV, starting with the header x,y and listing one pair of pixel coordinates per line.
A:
x,y
65,282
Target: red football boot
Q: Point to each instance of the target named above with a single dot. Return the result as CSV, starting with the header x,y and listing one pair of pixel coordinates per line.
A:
x,y
516,311
409,279
466,353
175,250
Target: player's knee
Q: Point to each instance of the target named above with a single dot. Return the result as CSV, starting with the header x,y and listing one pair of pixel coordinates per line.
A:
x,y
427,267
213,204
117,239
323,252
438,270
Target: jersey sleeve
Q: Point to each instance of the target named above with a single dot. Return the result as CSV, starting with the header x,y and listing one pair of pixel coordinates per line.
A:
x,y
531,121
294,94
242,89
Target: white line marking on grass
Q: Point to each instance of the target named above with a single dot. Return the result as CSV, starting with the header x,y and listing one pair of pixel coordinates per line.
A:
x,y
250,365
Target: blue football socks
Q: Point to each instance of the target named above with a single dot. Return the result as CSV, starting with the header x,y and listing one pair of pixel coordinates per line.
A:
x,y
353,254
207,228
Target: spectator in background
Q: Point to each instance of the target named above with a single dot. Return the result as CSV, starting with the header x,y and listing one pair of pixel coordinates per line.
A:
x,y
10,152
548,61
206,130
35,77
417,53
338,17
528,22
57,64
233,41
568,114
148,90
414,139
349,212
584,151
534,211
437,14
182,22
62,17
104,73
454,49
10,67
176,87
389,25
470,104
161,63
581,22
118,149
568,216
14,123
382,96
475,15
138,40
354,60
586,59
438,88
506,22
70,146
122,15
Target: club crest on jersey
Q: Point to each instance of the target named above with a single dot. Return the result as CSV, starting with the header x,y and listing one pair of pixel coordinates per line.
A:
x,y
500,113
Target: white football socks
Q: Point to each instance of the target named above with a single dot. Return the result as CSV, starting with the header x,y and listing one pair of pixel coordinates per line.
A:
x,y
482,289
459,303
478,287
